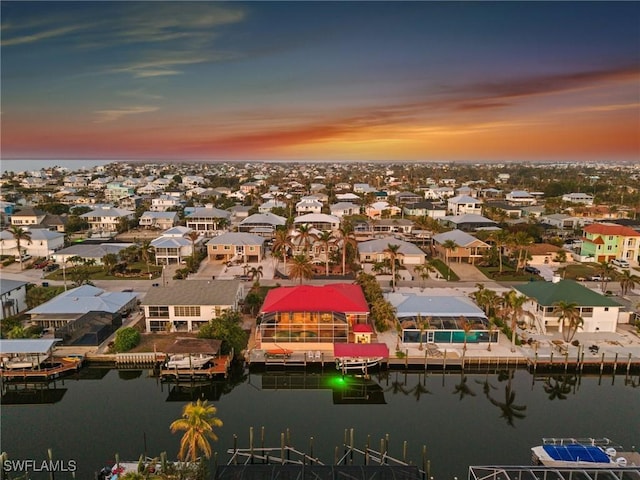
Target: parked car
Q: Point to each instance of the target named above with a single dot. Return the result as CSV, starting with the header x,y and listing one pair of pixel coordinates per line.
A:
x,y
530,269
51,267
620,263
599,278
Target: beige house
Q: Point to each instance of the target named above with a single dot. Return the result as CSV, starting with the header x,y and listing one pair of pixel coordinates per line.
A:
x,y
228,247
468,248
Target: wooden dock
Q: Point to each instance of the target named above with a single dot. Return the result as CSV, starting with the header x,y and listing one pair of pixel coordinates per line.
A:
x,y
59,367
219,367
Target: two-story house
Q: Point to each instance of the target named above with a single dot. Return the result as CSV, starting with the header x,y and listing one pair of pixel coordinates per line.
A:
x,y
599,313
106,219
207,220
608,241
463,204
186,306
159,220
245,247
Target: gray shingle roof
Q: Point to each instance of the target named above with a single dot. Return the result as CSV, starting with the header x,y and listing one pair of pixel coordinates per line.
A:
x,y
194,292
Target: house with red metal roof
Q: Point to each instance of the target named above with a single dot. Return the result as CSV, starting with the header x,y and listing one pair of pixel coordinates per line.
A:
x,y
608,241
295,317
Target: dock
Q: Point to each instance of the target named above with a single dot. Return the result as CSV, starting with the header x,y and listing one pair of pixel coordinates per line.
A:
x,y
220,367
55,368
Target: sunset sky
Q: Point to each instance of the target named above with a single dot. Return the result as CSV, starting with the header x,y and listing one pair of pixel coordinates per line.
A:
x,y
451,81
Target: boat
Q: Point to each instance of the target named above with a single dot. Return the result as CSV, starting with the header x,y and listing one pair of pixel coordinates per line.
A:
x,y
574,452
188,361
357,363
23,363
278,353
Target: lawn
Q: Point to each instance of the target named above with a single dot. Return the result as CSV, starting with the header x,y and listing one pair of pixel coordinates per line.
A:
x,y
444,270
98,273
578,271
508,274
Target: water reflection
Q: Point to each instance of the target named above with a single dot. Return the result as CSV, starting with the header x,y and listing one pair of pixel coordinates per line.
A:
x,y
509,409
38,394
558,387
462,389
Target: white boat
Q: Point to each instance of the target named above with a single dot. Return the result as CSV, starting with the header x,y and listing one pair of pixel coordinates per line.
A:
x,y
23,363
188,361
357,363
572,452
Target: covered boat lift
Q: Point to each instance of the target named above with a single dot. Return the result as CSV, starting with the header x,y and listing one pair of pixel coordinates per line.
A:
x,y
25,358
40,349
197,346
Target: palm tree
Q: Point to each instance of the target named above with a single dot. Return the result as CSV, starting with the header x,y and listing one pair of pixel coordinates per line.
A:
x,y
281,244
423,272
20,234
491,330
392,252
256,273
522,240
628,280
606,272
110,260
193,236
449,246
569,317
305,236
198,421
347,237
512,304
301,268
466,328
146,252
500,240
326,239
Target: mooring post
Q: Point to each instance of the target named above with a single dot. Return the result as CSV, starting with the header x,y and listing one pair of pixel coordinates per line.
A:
x,y
381,451
406,358
251,444
288,444
582,361
444,360
615,364
262,443
629,364
235,449
282,448
404,451
351,445
601,363
566,361
311,449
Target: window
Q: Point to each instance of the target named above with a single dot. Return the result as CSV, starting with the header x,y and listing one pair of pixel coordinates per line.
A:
x,y
606,309
158,312
186,311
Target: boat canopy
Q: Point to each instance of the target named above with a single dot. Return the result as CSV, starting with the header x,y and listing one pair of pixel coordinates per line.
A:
x,y
362,350
577,452
42,346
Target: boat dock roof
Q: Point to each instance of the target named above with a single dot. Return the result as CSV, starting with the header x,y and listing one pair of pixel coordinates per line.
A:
x,y
41,346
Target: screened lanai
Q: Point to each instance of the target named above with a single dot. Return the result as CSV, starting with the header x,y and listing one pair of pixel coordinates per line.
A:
x,y
441,319
311,314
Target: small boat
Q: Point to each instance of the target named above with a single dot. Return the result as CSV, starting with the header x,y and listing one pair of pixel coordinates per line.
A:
x,y
189,361
23,363
572,452
357,363
278,353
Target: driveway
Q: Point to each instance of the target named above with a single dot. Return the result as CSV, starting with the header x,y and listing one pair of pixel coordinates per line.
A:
x,y
468,273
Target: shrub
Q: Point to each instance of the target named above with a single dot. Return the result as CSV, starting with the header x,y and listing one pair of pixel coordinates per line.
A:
x,y
126,339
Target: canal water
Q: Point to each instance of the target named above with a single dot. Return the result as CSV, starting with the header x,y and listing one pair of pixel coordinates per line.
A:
x,y
472,418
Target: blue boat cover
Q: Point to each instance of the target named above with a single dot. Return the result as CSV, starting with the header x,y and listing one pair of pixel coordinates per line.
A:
x,y
576,452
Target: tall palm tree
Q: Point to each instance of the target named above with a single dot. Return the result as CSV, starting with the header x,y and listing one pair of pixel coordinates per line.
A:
x,y
110,260
281,244
449,246
512,303
146,253
392,252
568,314
522,240
20,235
301,268
424,271
500,240
326,239
197,422
606,272
193,236
628,280
346,237
466,328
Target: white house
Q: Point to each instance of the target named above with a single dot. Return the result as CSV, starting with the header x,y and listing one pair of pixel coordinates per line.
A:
x,y
321,221
583,198
161,220
173,246
342,209
187,305
599,313
207,220
520,197
13,295
308,205
463,204
164,203
106,219
373,251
